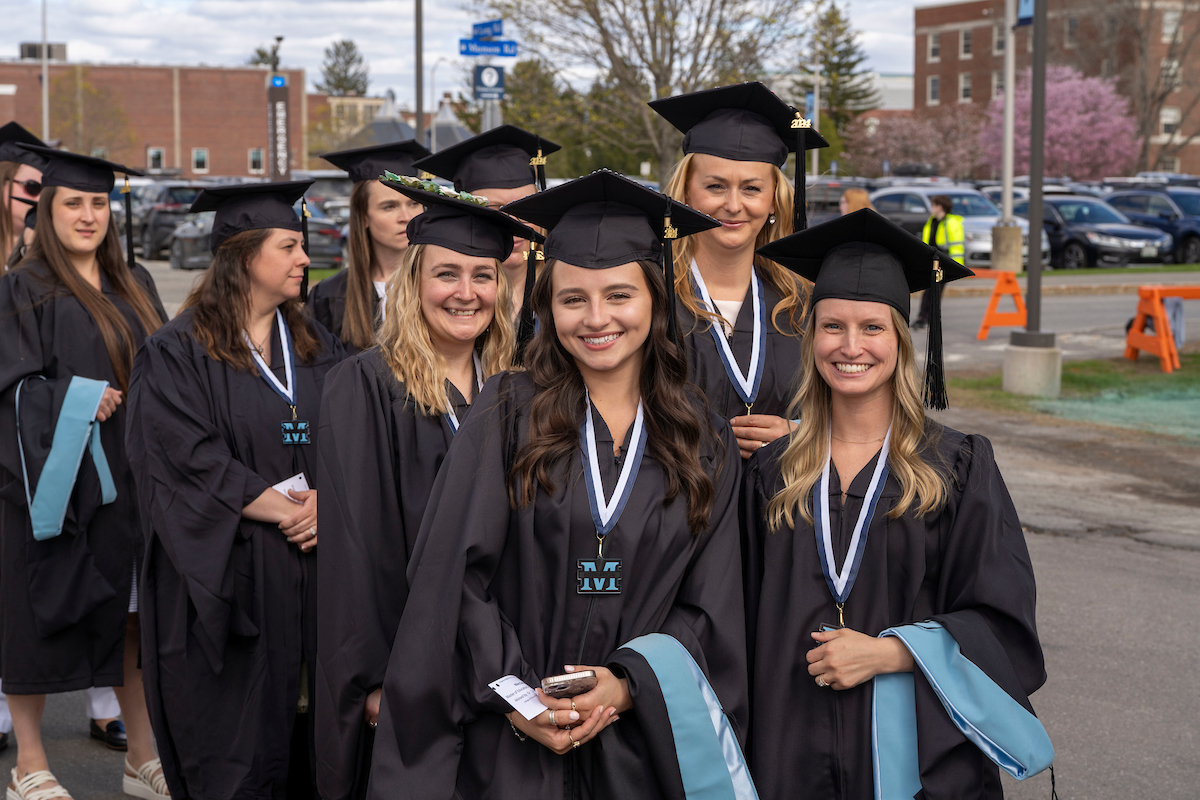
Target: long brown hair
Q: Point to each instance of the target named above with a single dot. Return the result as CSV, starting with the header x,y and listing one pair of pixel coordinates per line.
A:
x,y
793,292
8,171
358,323
676,430
220,305
46,248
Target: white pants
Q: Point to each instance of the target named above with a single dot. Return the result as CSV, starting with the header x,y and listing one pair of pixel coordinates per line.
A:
x,y
101,704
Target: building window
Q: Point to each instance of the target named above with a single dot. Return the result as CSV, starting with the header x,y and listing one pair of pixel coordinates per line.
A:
x,y
1170,29
1070,34
199,159
998,40
1169,118
964,87
155,158
997,83
935,47
964,43
1106,68
933,91
1170,164
1170,74
100,152
256,161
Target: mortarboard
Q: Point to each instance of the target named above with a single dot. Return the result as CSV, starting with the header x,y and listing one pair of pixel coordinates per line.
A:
x,y
502,158
368,163
12,134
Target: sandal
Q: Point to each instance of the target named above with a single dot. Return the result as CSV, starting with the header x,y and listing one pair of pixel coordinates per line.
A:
x,y
148,783
25,788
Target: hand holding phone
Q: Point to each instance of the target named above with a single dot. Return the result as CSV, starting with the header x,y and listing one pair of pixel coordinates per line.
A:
x,y
570,684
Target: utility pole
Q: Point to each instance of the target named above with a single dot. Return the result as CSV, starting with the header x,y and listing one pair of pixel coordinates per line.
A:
x,y
45,79
419,126
816,117
1010,80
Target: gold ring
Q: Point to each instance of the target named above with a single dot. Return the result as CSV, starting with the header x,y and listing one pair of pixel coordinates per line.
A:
x,y
573,708
552,722
574,744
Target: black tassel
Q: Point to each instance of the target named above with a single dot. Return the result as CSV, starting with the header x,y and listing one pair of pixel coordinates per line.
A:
x,y
669,233
935,368
525,325
304,237
800,219
1053,788
128,193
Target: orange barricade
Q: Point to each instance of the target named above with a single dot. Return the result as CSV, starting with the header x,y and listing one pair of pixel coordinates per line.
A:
x,y
1006,285
1161,343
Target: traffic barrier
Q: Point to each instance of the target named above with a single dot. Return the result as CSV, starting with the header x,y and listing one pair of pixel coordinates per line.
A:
x,y
1006,286
1160,343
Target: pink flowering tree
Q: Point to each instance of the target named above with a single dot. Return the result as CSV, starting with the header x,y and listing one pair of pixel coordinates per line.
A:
x,y
1090,132
947,138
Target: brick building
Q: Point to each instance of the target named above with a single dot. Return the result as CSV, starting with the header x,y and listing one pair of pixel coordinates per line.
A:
x,y
959,61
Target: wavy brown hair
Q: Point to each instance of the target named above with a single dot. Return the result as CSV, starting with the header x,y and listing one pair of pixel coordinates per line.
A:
x,y
220,305
676,429
358,323
46,248
8,171
924,485
782,280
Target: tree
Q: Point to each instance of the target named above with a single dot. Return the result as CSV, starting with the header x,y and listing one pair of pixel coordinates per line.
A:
x,y
89,120
1089,131
949,139
647,49
344,72
261,57
833,44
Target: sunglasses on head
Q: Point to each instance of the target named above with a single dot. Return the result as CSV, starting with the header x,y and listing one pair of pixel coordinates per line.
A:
x,y
32,188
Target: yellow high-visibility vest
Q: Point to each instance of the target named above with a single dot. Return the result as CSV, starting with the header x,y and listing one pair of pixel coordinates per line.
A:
x,y
950,236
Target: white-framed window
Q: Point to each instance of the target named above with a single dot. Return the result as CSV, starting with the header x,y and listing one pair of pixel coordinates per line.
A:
x,y
257,161
1070,32
965,43
199,159
1170,164
1170,73
997,82
998,39
1170,25
1169,118
155,159
933,90
964,87
935,47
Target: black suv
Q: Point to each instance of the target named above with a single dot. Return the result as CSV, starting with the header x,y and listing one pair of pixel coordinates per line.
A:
x,y
157,211
1174,209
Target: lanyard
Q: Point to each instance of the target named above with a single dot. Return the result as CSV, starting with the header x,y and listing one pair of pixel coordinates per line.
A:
x,y
287,389
745,384
451,417
606,514
842,583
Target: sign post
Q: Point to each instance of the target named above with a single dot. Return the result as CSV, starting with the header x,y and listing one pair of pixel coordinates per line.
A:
x,y
489,83
489,80
277,129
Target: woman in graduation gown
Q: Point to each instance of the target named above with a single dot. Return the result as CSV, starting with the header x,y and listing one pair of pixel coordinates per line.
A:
x,y
72,315
20,171
351,304
500,584
873,516
223,412
389,415
741,313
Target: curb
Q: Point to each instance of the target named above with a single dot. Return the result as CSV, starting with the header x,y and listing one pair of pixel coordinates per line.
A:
x,y
1052,290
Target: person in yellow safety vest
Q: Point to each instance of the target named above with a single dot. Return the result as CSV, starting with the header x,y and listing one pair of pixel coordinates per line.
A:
x,y
943,230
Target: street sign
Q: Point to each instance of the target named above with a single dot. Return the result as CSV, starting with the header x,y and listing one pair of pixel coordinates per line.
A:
x,y
489,83
488,30
279,80
476,47
1024,12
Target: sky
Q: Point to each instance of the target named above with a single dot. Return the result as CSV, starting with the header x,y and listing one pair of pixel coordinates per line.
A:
x,y
226,32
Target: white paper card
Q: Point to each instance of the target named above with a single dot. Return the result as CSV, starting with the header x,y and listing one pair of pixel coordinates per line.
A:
x,y
297,483
519,695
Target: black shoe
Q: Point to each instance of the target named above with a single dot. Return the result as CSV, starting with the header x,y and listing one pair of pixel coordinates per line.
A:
x,y
918,324
113,736
3,741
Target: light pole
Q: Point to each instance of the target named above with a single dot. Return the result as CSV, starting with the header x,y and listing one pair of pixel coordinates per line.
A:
x,y
45,79
419,127
816,115
436,102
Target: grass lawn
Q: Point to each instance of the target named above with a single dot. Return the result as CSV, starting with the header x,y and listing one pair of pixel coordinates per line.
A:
x,y
315,275
1142,269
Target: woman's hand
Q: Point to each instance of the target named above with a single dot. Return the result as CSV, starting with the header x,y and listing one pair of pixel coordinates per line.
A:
x,y
609,692
756,431
301,527
371,709
847,658
563,740
108,404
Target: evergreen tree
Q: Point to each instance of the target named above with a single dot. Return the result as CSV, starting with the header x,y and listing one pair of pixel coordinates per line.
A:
x,y
261,57
344,71
846,91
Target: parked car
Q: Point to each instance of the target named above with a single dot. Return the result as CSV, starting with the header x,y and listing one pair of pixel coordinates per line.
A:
x,y
1175,210
909,207
157,212
1086,232
190,241
825,193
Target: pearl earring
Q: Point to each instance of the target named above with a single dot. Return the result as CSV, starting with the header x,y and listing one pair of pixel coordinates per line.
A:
x,y
771,220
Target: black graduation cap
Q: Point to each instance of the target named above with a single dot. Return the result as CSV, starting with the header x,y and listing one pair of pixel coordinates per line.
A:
x,y
12,134
604,220
502,158
462,225
368,163
75,171
744,122
864,256
251,206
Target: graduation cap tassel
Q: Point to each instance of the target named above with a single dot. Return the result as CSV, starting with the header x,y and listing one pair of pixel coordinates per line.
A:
x,y
539,166
525,326
128,193
935,370
800,221
304,215
670,233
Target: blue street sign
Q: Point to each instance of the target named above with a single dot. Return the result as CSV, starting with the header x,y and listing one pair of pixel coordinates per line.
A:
x,y
488,30
475,47
808,105
1024,12
279,80
489,83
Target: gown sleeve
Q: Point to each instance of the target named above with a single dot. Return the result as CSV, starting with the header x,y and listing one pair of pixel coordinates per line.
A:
x,y
143,276
190,488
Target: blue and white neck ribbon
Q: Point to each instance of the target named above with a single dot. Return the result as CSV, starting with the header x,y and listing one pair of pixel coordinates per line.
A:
x,y
745,384
606,514
841,583
287,389
451,417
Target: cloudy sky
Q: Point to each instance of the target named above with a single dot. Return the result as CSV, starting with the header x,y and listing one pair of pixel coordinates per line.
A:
x,y
225,32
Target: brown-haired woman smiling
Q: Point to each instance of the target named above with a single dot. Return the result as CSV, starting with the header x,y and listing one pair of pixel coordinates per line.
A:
x,y
72,316
223,417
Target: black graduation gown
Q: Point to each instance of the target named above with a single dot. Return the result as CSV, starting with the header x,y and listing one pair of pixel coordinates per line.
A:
x,y
228,604
493,593
327,299
967,567
780,365
64,602
379,457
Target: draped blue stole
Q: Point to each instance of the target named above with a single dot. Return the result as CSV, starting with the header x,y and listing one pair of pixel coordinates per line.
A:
x,y
75,429
986,714
710,760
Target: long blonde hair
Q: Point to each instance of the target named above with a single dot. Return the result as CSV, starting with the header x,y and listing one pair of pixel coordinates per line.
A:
x,y
923,485
408,348
783,281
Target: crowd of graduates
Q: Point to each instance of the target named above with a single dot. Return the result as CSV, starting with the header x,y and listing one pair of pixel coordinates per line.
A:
x,y
598,469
